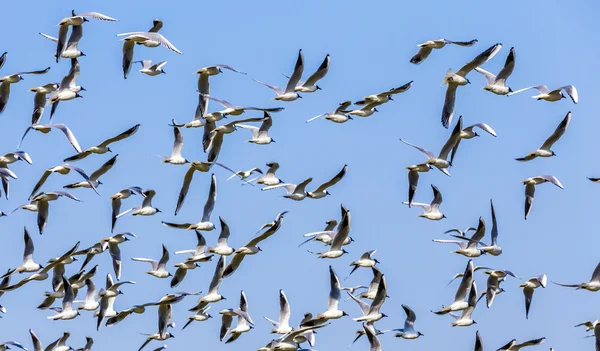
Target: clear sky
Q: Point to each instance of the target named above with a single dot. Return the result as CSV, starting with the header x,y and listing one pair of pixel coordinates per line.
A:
x,y
370,46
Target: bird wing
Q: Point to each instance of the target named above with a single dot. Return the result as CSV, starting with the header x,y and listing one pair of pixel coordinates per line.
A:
x,y
234,264
479,60
284,310
508,68
379,297
277,89
320,73
218,276
103,169
425,151
596,274
225,232
127,57
298,70
560,130
572,92
76,35
465,283
70,136
334,293
452,140
187,180
333,180
177,143
448,109
421,55
211,200
437,197
126,134
489,77
541,88
494,233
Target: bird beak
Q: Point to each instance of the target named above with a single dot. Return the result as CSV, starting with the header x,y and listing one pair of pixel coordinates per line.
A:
x,y
319,88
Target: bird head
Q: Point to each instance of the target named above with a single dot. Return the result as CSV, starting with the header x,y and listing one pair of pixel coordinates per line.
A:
x,y
100,183
444,216
344,314
21,77
258,248
384,315
344,251
553,154
510,90
82,88
273,140
420,334
158,211
318,87
349,117
562,96
85,20
163,71
468,81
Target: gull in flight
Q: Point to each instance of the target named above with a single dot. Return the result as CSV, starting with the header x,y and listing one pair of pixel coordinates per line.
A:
x,y
63,169
245,174
471,250
200,316
71,50
337,116
365,111
428,46
39,100
222,247
530,184
113,243
513,346
76,20
441,162
159,268
295,192
459,303
282,326
371,313
28,265
42,199
326,236
90,303
321,191
339,237
494,249
431,211
413,179
545,149
269,179
497,84
146,209
552,95
176,158
289,94
213,290
67,312
152,70
382,98
310,85
205,223
493,284
408,332
7,81
197,255
217,69
465,319
233,110
260,135
373,285
46,128
244,322
5,175
148,39
332,312
68,88
528,288
460,79
116,202
593,285
103,148
470,133
366,260
94,181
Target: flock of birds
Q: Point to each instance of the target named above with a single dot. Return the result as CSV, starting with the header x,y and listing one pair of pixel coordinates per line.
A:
x,y
335,236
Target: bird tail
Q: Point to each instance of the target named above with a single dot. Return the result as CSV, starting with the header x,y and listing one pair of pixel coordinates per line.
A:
x,y
447,76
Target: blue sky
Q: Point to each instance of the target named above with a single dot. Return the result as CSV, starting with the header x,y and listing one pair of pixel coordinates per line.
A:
x,y
370,48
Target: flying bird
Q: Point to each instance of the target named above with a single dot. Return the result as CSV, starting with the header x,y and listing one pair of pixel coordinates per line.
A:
x,y
427,47
431,211
7,81
497,84
159,268
545,149
76,20
152,70
321,191
552,95
383,97
593,285
289,94
93,181
205,223
529,286
530,184
103,147
47,128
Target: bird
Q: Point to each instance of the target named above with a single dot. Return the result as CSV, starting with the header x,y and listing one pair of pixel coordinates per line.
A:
x,y
90,303
373,285
12,157
413,179
497,84
214,138
199,253
493,249
431,211
310,85
107,299
339,237
545,149
372,336
364,111
155,336
289,94
67,89
441,161
116,202
459,303
204,223
59,344
222,247
146,209
326,236
589,325
70,50
245,174
7,81
200,316
28,265
159,268
470,133
113,243
493,284
152,70
89,342
366,260
529,286
42,200
471,250
252,248
67,312
428,46
103,147
332,311
321,191
295,192
63,169
217,69
465,319
260,135
593,285
478,342
46,128
371,313
5,175
282,325
39,100
383,97
513,346
460,78
212,295
148,39
175,158
530,184
552,95
74,21
244,322
408,332
337,116
269,179
233,110
94,181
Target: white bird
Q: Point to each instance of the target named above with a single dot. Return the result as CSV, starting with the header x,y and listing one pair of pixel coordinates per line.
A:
x,y
233,110
413,179
5,175
339,237
13,157
460,78
497,84
530,184
282,325
383,97
42,200
366,260
146,209
74,21
116,202
289,94
63,169
5,345
321,191
441,161
269,179
148,39
545,149
200,316
332,311
337,116
431,211
493,249
310,85
371,313
67,312
28,265
470,133
90,303
212,295
159,268
326,236
428,46
107,299
113,243
529,286
46,128
365,111
94,181
205,223
593,285
59,344
152,70
244,322
246,174
103,148
552,95
493,284
71,50
39,100
408,332
222,247
260,135
296,192
471,250
465,319
373,285
175,158
68,88
372,336
199,253
459,303
7,81
513,346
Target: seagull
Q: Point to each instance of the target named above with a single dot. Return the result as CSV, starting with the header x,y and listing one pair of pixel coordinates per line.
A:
x,y
113,243
76,20
337,116
294,192
289,340
42,200
465,319
593,285
413,179
63,169
116,202
513,346
205,223
552,95
217,69
67,311
326,236
282,326
497,84
431,211
176,158
159,268
310,85
148,39
460,232
494,249
528,288
252,248
107,299
428,46
152,70
589,325
459,275
471,250
59,344
408,332
372,336
213,290
93,180
336,250
6,82
89,342
68,88
13,157
493,284
289,94
214,137
530,184
544,150
71,50
332,312
459,78
200,316
321,191
146,209
383,97
366,260
28,265
46,128
39,100
199,253
373,285
244,322
470,133
155,336
441,161
365,111
245,174
260,135
232,110
103,148
459,303
371,312
269,179
90,303
5,175
222,247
